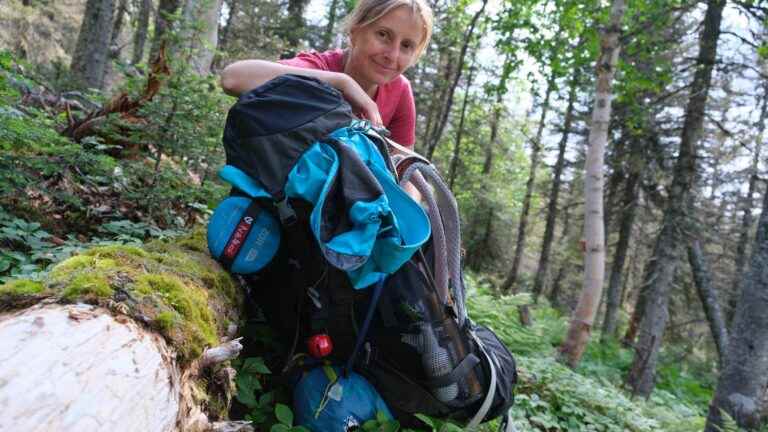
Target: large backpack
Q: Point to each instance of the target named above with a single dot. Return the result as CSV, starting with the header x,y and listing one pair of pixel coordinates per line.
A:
x,y
395,315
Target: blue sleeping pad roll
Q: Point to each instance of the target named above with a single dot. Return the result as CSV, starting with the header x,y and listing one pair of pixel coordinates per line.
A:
x,y
243,236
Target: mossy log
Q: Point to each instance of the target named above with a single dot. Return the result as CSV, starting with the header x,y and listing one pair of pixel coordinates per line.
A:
x,y
121,338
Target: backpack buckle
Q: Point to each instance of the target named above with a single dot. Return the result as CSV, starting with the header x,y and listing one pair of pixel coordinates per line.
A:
x,y
285,212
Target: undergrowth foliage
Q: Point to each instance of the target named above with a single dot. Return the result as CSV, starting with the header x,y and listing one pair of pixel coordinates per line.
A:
x,y
147,174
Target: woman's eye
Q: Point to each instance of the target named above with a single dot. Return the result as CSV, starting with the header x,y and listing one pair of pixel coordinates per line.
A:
x,y
382,34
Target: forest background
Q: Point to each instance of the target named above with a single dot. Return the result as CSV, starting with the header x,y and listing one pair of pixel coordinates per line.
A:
x,y
110,129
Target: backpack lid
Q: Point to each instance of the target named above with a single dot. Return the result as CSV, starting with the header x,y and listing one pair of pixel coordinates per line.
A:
x,y
326,401
242,236
271,126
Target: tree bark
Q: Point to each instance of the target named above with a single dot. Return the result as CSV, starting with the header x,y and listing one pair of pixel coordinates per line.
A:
x,y
665,254
746,218
92,50
142,29
330,27
200,33
522,227
637,163
435,139
708,295
742,384
457,144
594,233
78,367
295,25
139,356
166,9
557,283
554,194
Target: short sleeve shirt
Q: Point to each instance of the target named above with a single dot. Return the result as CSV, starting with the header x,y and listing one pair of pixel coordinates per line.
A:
x,y
394,99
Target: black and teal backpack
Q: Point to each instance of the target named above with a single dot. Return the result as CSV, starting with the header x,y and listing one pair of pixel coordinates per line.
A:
x,y
337,247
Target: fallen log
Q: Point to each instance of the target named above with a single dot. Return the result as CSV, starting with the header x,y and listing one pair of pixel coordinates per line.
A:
x,y
121,338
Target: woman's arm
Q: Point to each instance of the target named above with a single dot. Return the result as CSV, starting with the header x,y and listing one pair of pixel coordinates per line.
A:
x,y
245,75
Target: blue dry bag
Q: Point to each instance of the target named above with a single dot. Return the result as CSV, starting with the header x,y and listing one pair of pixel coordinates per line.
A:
x,y
326,401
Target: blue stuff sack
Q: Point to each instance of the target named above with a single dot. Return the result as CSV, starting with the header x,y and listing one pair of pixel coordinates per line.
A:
x,y
325,401
242,235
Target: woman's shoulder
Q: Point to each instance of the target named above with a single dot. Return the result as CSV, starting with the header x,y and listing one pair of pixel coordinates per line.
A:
x,y
331,60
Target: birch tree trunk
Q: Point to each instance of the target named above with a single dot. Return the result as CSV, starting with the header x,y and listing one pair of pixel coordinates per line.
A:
x,y
554,194
522,227
672,235
200,33
637,163
144,354
594,233
89,61
742,384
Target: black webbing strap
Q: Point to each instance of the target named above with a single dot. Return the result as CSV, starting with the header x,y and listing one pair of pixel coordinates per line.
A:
x,y
237,239
299,243
455,375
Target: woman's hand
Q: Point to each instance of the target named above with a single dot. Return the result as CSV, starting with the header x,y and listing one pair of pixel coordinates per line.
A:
x,y
358,98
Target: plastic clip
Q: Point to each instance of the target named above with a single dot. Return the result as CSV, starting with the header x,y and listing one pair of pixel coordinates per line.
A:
x,y
286,212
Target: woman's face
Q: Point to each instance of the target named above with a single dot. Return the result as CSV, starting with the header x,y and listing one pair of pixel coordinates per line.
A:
x,y
382,50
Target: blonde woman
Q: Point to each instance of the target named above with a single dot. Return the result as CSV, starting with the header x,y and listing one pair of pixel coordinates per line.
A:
x,y
386,37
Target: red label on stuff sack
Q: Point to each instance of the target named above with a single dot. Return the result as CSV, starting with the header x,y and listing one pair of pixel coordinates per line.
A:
x,y
238,237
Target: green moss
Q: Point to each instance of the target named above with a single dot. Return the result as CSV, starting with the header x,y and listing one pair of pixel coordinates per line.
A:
x,y
21,287
197,328
117,252
197,266
87,284
166,320
196,241
71,265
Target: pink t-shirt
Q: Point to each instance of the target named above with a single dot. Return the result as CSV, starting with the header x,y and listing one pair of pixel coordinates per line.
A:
x,y
394,99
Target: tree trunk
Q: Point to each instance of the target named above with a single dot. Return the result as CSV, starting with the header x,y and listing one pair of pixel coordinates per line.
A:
x,y
54,354
522,227
438,103
637,165
457,144
140,35
295,25
200,33
594,233
665,254
557,283
746,218
708,296
554,194
742,384
435,139
134,358
92,50
330,27
638,313
166,9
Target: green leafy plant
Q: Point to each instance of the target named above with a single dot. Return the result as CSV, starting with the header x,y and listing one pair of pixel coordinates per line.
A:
x,y
284,416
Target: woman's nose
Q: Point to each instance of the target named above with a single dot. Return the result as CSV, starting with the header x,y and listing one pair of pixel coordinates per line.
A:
x,y
393,51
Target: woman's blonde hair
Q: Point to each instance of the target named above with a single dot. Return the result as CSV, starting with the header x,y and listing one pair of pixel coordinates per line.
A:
x,y
368,11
